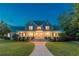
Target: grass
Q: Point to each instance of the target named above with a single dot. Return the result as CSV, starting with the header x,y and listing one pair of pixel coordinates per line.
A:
x,y
63,48
13,48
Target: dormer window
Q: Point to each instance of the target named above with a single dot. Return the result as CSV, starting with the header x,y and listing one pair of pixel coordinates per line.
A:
x,y
39,28
30,27
47,27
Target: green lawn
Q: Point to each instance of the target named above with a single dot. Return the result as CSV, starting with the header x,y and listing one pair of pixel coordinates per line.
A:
x,y
63,48
13,48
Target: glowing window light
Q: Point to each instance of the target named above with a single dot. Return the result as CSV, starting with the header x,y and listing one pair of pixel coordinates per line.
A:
x,y
54,34
30,34
47,27
47,33
30,27
23,34
39,27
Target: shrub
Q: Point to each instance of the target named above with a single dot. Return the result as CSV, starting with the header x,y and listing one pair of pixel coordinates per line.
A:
x,y
77,36
15,36
23,39
6,38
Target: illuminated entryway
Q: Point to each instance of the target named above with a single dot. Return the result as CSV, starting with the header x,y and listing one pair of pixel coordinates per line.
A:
x,y
38,35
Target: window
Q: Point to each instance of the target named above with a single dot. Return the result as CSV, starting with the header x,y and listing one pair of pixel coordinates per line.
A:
x,y
47,27
39,27
23,34
48,34
55,34
30,27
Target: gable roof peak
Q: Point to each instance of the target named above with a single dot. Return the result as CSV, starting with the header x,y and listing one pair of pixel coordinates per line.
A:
x,y
39,22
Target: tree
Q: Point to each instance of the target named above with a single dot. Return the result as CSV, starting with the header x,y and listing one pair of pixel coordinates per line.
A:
x,y
4,29
69,22
15,36
77,36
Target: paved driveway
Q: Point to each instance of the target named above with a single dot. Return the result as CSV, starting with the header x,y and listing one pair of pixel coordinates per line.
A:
x,y
40,50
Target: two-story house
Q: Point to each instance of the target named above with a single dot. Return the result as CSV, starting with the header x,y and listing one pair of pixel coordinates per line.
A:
x,y
39,30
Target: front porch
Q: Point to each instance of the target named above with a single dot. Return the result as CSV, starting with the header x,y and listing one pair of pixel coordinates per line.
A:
x,y
39,35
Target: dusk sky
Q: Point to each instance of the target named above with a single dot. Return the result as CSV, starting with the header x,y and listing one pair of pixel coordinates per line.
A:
x,y
19,14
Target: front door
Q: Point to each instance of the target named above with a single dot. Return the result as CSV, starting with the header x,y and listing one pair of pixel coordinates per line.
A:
x,y
39,35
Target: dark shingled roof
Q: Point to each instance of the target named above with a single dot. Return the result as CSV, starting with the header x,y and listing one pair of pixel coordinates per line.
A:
x,y
39,22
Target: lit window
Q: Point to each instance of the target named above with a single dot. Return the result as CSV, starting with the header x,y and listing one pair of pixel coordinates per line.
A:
x,y
30,27
47,34
39,27
54,34
47,27
30,34
23,34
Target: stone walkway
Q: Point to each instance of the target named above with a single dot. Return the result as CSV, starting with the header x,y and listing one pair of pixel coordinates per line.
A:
x,y
40,50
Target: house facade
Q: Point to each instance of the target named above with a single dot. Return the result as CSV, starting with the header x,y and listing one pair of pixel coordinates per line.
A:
x,y
39,30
